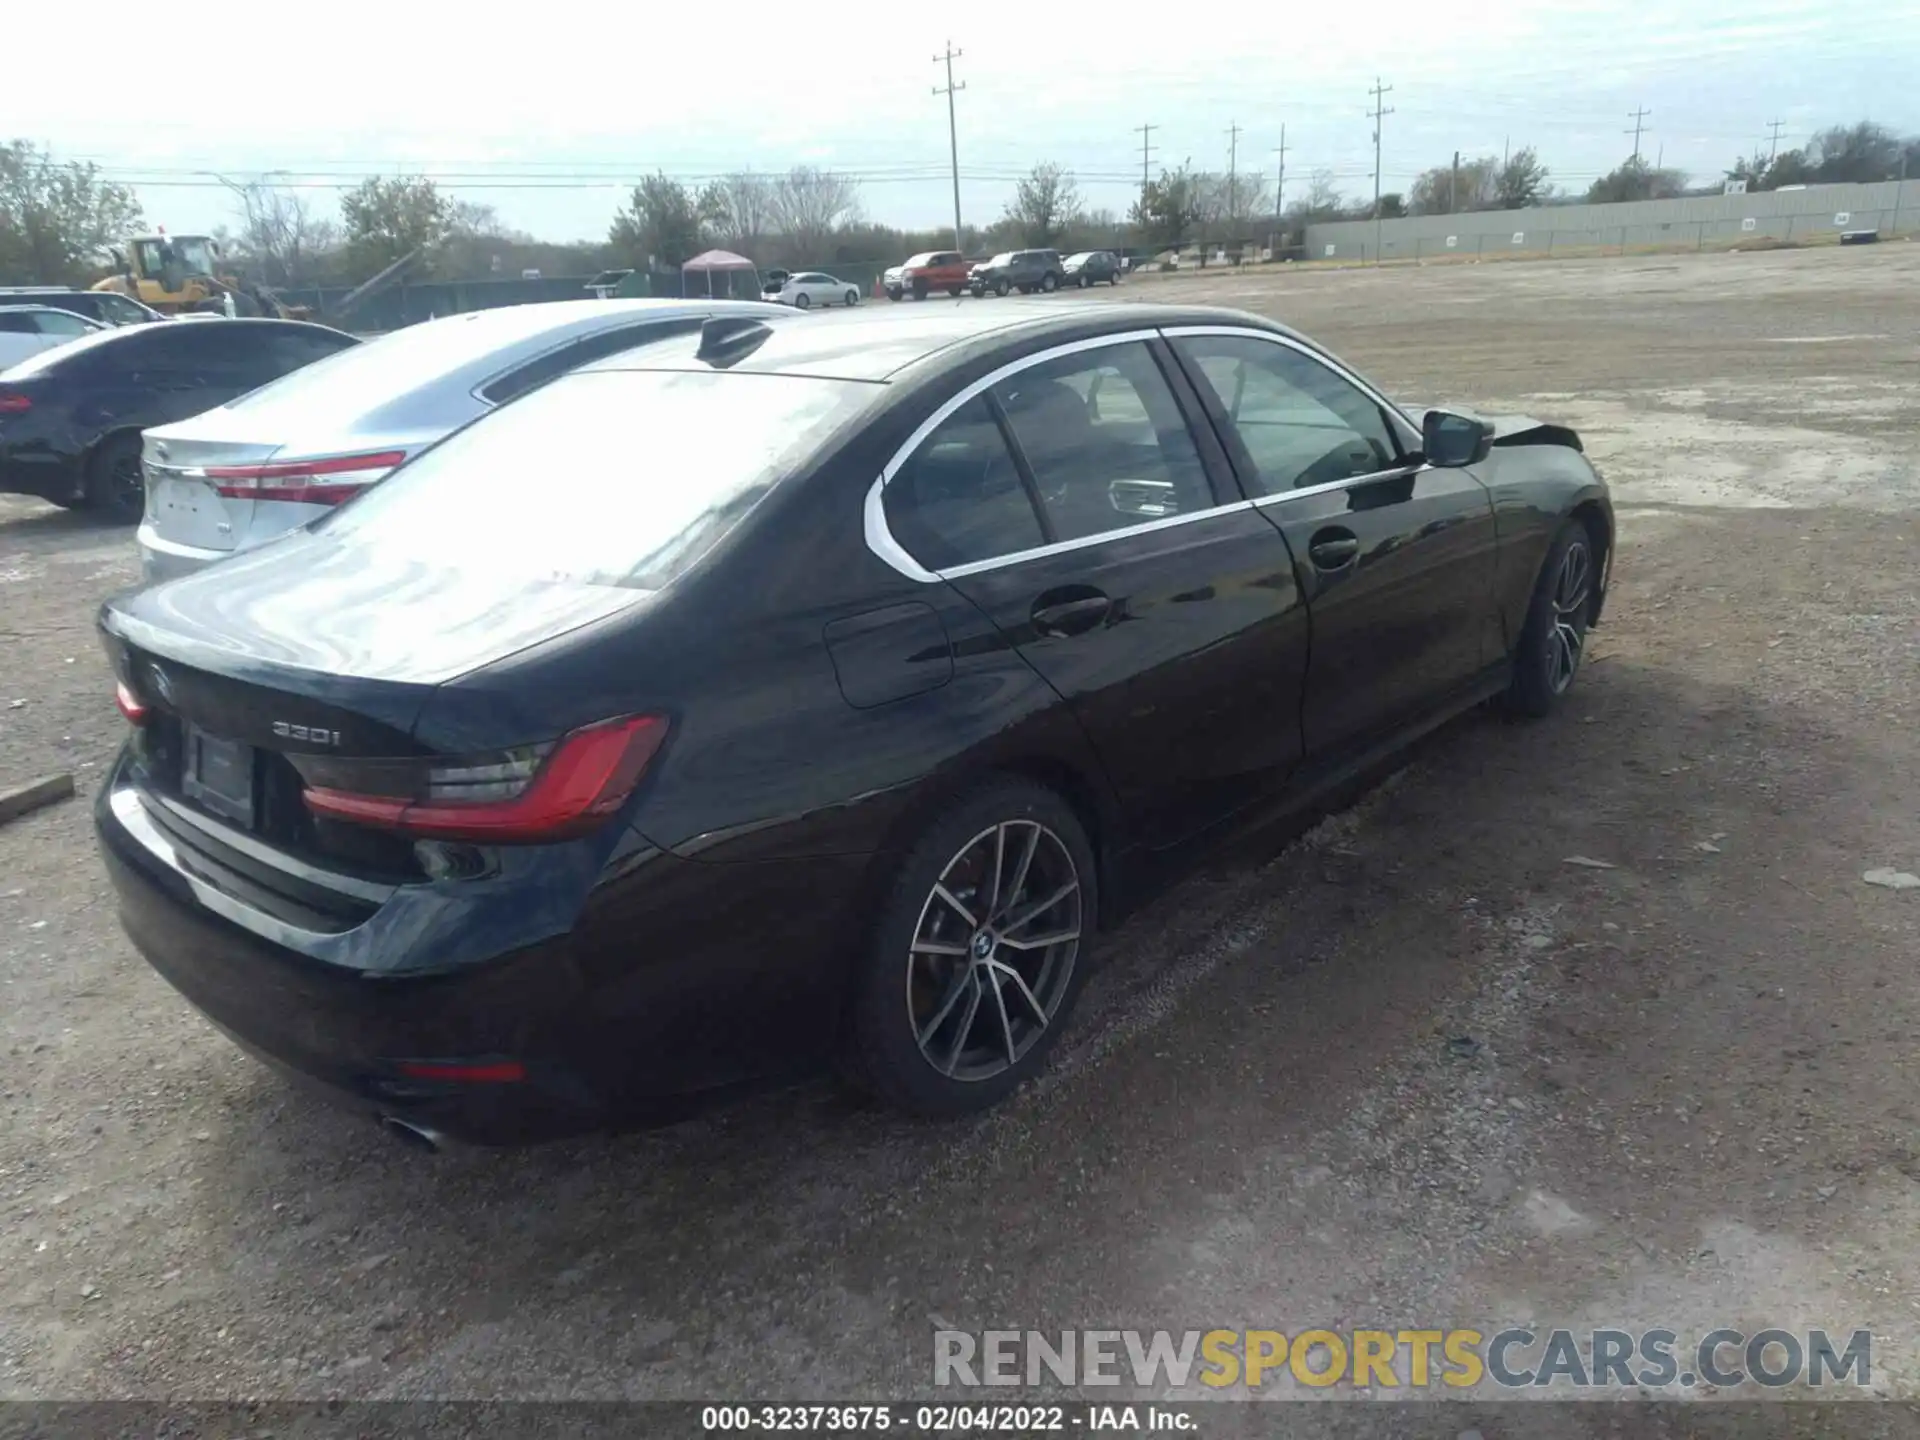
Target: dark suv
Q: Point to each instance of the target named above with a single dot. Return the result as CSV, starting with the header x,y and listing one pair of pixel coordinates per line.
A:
x,y
1022,270
1093,267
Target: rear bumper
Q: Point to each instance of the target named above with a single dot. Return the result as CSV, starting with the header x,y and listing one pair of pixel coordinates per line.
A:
x,y
674,986
162,559
343,1029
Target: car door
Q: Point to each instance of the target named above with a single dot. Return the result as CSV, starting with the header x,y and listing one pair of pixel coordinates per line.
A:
x,y
1072,498
1396,559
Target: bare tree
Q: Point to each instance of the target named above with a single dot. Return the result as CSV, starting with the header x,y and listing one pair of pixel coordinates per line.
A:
x,y
1232,203
808,205
1045,204
280,234
740,209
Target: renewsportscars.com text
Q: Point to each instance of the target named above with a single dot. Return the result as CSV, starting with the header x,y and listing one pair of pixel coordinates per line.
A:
x,y
1409,1359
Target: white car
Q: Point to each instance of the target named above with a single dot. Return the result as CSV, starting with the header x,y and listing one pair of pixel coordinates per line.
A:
x,y
810,288
28,329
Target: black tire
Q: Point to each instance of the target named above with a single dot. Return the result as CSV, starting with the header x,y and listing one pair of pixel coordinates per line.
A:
x,y
895,292
115,488
956,291
853,298
1546,662
1049,283
901,993
1114,279
919,289
1000,288
803,301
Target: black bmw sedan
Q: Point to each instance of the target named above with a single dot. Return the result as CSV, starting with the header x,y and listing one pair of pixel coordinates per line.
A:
x,y
805,689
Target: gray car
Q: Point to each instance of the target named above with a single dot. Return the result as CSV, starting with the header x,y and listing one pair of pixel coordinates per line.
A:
x,y
274,459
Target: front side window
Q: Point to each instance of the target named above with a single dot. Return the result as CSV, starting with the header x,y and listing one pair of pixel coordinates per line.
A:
x,y
1300,422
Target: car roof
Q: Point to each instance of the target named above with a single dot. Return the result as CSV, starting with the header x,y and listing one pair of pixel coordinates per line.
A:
x,y
877,344
421,379
48,309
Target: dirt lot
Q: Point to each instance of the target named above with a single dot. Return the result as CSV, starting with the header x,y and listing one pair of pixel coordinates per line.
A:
x,y
1691,1099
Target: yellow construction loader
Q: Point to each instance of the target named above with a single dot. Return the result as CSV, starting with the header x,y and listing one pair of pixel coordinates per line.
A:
x,y
178,274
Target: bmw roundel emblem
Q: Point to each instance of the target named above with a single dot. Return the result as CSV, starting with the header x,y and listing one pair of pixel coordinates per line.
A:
x,y
162,684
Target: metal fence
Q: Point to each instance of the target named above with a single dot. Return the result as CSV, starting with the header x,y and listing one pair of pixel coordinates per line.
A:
x,y
1816,212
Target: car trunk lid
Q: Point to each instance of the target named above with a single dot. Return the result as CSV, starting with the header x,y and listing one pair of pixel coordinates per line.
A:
x,y
184,503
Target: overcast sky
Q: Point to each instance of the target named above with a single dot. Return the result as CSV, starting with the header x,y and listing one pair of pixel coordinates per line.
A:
x,y
548,120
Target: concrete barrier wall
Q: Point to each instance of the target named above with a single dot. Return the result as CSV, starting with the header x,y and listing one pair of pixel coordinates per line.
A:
x,y
1696,221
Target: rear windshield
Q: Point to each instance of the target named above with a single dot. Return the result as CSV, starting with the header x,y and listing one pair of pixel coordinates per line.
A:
x,y
370,374
614,477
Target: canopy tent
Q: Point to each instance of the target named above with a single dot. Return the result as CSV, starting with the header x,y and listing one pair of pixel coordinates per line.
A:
x,y
719,262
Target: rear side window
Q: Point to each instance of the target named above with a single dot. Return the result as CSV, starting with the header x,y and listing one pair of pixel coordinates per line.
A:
x,y
611,477
290,349
960,496
16,322
557,362
1091,442
1104,440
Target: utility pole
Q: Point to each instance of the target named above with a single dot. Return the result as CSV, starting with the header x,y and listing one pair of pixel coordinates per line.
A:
x,y
1145,132
1773,140
1233,174
1379,113
1280,180
1639,124
1453,186
953,131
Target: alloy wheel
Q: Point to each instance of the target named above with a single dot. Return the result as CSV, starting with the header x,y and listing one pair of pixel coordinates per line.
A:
x,y
1568,637
993,950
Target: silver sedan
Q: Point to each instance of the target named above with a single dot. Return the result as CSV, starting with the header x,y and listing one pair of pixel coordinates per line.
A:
x,y
283,455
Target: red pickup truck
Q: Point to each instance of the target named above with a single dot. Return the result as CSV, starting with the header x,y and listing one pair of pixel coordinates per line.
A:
x,y
946,270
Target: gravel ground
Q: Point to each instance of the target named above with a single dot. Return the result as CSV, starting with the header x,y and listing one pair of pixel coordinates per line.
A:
x,y
1689,1098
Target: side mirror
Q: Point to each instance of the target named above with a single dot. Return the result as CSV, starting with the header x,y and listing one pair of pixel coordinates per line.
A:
x,y
1450,441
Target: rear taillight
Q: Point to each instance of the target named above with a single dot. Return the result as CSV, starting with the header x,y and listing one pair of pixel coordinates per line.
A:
x,y
526,795
305,482
12,402
129,704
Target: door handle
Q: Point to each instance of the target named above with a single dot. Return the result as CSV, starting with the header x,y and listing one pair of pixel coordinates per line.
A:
x,y
1060,613
1334,549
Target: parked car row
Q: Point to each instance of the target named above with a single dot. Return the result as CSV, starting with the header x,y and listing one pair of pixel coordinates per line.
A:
x,y
1027,271
693,695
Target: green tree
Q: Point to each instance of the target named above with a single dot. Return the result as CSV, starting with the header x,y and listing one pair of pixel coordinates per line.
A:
x,y
1045,205
1449,189
57,222
1169,207
387,217
1635,179
1522,181
662,224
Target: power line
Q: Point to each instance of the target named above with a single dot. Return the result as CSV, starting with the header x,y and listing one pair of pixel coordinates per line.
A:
x,y
953,131
1639,123
1379,113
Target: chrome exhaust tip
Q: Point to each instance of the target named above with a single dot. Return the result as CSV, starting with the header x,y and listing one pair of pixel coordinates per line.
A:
x,y
407,1132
